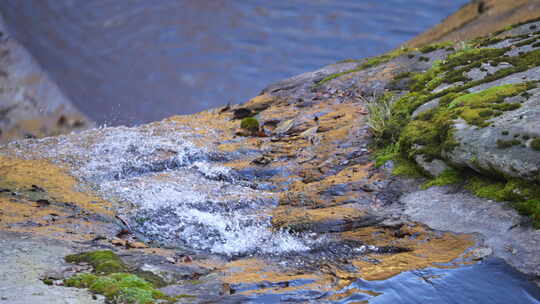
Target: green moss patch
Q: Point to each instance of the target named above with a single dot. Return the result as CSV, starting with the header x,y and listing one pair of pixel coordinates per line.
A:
x,y
436,46
113,279
431,132
103,261
504,144
119,288
477,108
448,177
455,67
406,168
524,196
535,144
250,123
367,63
530,208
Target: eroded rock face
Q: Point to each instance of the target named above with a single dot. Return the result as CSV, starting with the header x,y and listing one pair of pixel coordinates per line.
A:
x,y
31,105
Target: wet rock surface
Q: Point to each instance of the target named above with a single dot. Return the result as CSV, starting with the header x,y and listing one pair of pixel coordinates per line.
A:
x,y
499,225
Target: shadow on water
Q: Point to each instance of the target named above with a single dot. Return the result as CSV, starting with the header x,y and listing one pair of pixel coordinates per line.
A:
x,y
128,62
492,281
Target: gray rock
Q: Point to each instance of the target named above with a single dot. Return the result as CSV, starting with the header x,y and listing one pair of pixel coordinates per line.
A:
x,y
303,81
498,224
25,261
172,274
482,252
434,167
479,148
426,107
285,126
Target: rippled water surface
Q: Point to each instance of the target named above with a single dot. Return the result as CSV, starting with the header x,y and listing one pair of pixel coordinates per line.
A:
x,y
132,61
489,282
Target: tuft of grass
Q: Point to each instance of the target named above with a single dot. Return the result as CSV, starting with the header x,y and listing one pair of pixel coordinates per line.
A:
x,y
386,154
380,113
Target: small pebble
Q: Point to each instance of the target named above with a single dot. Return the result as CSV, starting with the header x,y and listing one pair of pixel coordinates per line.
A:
x,y
137,245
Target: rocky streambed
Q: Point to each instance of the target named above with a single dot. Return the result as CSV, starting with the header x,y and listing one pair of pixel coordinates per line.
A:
x,y
306,202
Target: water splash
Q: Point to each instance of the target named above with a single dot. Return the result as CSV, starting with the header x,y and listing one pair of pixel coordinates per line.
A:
x,y
175,192
184,207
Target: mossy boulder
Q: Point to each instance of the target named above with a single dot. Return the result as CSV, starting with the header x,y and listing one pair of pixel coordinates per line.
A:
x,y
477,110
115,280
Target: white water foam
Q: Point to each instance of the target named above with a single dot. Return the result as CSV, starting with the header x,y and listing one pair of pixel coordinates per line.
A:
x,y
174,191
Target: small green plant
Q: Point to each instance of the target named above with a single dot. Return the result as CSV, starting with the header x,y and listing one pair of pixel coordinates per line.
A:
x,y
250,123
380,113
387,153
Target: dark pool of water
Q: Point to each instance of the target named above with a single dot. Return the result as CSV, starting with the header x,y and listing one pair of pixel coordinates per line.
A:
x,y
133,61
489,282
